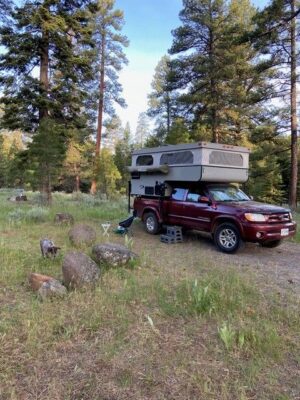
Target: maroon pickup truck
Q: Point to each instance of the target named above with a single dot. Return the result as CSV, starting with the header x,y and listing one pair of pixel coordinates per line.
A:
x,y
222,210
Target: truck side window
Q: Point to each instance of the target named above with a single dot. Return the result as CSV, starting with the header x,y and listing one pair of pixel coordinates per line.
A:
x,y
193,197
179,194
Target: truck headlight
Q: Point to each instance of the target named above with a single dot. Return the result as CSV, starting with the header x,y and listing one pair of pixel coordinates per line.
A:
x,y
255,217
291,216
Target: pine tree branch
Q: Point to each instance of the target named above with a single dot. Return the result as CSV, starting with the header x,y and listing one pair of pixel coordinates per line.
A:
x,y
280,24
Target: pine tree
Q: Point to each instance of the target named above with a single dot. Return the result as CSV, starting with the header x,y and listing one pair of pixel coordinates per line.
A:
x,y
108,174
179,133
161,99
45,37
74,163
246,85
113,133
3,164
109,61
5,9
122,158
199,67
217,77
276,36
266,180
142,131
11,144
46,154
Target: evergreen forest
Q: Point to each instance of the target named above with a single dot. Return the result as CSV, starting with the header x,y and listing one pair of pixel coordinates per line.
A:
x,y
230,76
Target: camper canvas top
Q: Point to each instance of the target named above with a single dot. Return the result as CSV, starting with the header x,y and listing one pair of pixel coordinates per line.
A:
x,y
190,146
158,159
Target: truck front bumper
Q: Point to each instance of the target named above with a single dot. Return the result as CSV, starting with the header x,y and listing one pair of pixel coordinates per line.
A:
x,y
255,232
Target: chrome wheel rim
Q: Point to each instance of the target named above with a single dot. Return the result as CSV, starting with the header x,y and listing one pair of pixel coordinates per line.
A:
x,y
228,238
150,224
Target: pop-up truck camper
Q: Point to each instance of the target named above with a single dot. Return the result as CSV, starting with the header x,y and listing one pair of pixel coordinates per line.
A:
x,y
196,162
191,185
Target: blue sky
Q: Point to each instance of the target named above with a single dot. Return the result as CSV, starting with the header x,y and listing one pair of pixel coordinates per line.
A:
x,y
148,27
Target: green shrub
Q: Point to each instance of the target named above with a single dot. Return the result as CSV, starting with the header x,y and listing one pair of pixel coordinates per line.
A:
x,y
37,214
227,335
88,200
16,216
202,298
261,338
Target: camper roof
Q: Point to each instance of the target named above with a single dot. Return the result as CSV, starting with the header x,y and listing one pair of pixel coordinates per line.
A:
x,y
190,146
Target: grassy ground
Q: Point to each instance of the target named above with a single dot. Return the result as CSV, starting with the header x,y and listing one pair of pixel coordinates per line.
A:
x,y
297,218
176,326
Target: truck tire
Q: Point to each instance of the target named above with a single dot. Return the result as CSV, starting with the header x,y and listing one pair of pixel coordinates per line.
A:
x,y
152,225
227,238
272,244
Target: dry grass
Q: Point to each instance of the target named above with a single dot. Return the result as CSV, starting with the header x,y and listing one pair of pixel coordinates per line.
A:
x,y
297,218
149,332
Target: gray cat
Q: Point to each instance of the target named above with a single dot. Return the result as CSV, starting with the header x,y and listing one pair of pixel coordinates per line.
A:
x,y
48,248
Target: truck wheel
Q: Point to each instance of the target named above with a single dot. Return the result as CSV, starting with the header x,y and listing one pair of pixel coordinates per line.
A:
x,y
152,225
272,244
227,238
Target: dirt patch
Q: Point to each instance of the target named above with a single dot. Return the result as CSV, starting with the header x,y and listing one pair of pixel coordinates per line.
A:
x,y
277,268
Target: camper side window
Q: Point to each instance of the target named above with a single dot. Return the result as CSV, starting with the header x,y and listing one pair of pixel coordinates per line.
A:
x,y
144,160
179,157
179,194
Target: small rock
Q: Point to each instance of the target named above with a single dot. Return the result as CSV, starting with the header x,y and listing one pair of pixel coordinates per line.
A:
x,y
79,270
52,288
113,254
64,219
82,235
37,280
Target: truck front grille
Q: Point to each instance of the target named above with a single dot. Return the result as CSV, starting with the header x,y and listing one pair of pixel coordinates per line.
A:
x,y
277,218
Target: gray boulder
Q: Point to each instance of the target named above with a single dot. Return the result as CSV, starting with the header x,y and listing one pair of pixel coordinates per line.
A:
x,y
82,235
79,270
51,289
112,254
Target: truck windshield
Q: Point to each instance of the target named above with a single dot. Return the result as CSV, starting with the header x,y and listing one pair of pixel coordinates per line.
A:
x,y
227,193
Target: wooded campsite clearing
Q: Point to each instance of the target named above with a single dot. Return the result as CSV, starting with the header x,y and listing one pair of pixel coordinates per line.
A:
x,y
185,322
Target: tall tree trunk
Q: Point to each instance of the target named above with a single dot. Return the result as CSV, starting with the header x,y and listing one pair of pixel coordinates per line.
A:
x,y
214,128
77,183
48,189
45,185
100,113
77,178
43,111
294,139
44,73
168,113
213,111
